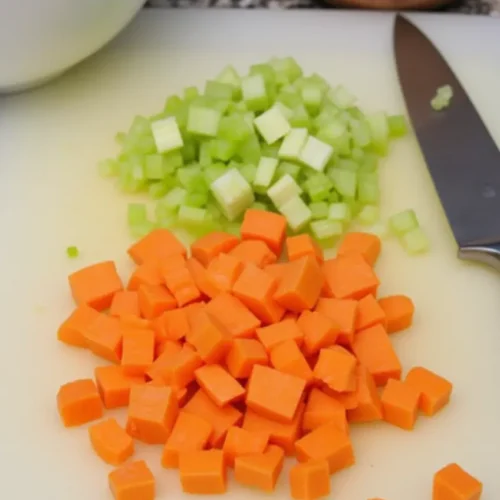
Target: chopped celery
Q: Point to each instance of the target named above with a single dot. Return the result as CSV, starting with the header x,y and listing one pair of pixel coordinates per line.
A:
x,y
326,229
232,228
368,215
265,173
272,125
214,171
357,154
173,104
315,153
312,96
415,241
290,98
258,205
336,134
108,168
341,97
291,169
318,187
254,92
213,211
234,128
190,215
189,152
380,229
230,76
249,151
233,193
140,230
221,149
205,154
248,171
284,110
172,161
167,135
203,121
369,163
379,130
158,189
283,189
191,177
319,209
196,199
340,212
300,117
293,143
347,164
136,213
403,222
219,90
173,199
72,252
368,192
344,182
270,150
153,167
360,132
140,126
190,94
266,71
296,212
397,125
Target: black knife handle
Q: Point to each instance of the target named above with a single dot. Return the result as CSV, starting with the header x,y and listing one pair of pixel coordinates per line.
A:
x,y
487,254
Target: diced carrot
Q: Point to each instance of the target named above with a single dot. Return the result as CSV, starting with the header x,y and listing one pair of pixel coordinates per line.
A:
x,y
154,300
435,391
291,315
211,342
255,288
148,273
343,312
319,331
202,279
288,358
398,311
134,322
138,351
203,472
114,385
151,413
368,407
176,368
208,247
302,244
310,480
300,287
400,404
95,285
280,434
243,355
232,315
240,442
265,226
260,470
374,350
179,281
111,442
274,394
272,335
224,270
255,252
336,367
125,303
366,245
103,337
369,313
221,419
78,402
190,433
452,482
326,443
348,400
132,481
277,270
350,277
322,409
159,244
172,325
221,387
72,329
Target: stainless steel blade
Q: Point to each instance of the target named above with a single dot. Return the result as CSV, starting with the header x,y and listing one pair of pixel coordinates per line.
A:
x,y
461,155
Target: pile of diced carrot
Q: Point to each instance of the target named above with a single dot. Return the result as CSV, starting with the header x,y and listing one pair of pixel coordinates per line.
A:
x,y
233,359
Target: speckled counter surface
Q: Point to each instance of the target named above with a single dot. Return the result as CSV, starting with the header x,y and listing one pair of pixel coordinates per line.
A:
x,y
484,7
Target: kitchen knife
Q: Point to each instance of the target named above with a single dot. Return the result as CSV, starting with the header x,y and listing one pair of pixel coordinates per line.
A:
x,y
461,155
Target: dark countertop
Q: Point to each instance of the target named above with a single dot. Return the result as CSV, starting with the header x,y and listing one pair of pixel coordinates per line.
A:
x,y
485,7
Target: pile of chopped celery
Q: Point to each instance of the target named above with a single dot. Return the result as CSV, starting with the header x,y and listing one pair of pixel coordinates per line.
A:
x,y
273,139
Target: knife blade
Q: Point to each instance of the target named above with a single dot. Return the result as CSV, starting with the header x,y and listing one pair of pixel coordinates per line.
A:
x,y
461,155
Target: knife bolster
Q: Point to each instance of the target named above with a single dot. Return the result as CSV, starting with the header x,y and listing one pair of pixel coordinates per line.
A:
x,y
487,254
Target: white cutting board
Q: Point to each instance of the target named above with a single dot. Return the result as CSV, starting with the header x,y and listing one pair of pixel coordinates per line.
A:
x,y
51,197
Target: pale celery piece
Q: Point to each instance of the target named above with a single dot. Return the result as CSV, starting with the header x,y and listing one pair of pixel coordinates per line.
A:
x,y
222,149
272,125
315,153
300,117
368,191
293,143
230,76
203,121
344,181
235,127
214,171
379,130
248,171
283,189
197,199
109,168
415,241
397,125
442,98
205,153
191,93
158,189
249,151
219,90
191,215
368,215
326,229
286,167
153,167
318,187
265,173
136,213
296,212
140,230
360,132
174,198
403,222
233,193
340,212
167,135
341,97
284,110
312,96
254,92
319,209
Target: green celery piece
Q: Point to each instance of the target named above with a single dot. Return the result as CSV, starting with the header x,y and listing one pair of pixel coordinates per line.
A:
x,y
360,132
138,231
234,128
158,189
368,190
446,91
340,212
173,199
172,161
272,125
249,150
219,90
284,110
318,187
293,143
213,212
357,154
265,173
153,167
315,153
291,68
188,215
368,215
203,121
344,181
333,197
415,241
140,126
341,97
403,222
258,205
379,130
336,134
266,71
300,117
173,104
108,168
190,94
319,209
328,115
283,189
291,169
248,171
120,138
191,178
326,229
72,252
347,164
369,162
189,151
136,213
167,135
140,145
232,228
397,126
254,92
296,212
312,97
233,193
318,80
221,149
196,199
230,76
205,153
165,217
270,150
290,98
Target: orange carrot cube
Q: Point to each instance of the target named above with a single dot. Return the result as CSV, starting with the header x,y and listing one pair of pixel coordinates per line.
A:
x,y
114,385
319,331
125,303
132,481
211,342
78,402
454,483
148,274
221,387
241,442
154,300
288,358
208,247
322,409
265,226
369,313
301,245
73,328
366,245
111,442
310,480
243,355
400,404
104,337
343,313
202,279
203,472
138,351
398,311
272,335
224,270
157,245
254,252
336,367
171,325
368,408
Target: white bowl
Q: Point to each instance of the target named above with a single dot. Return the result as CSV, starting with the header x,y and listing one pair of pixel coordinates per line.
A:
x,y
39,39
